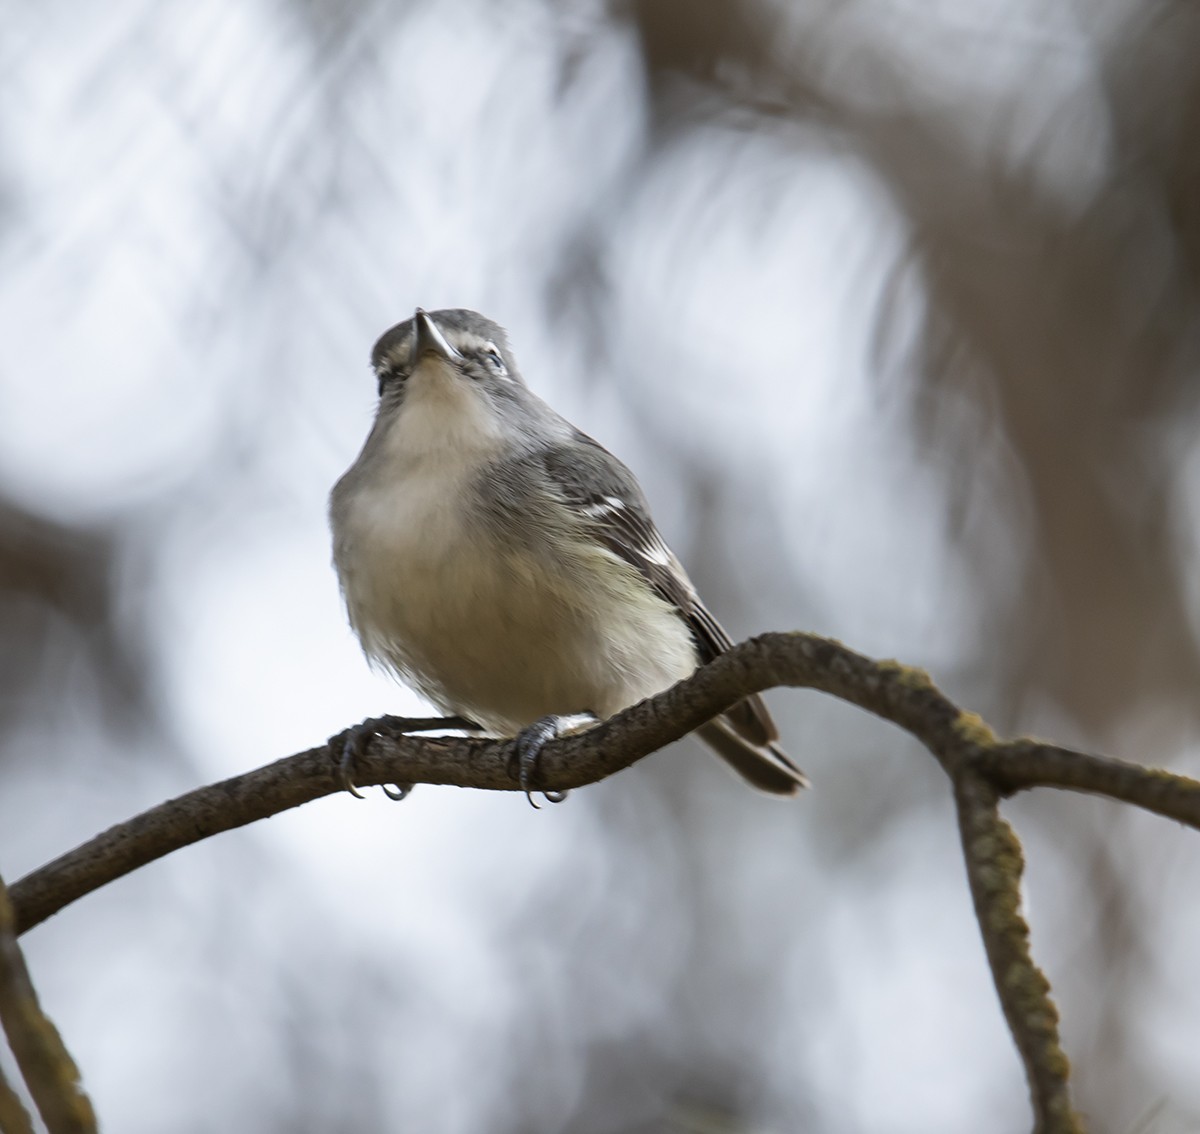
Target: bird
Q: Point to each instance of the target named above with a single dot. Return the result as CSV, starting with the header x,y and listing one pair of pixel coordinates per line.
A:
x,y
505,565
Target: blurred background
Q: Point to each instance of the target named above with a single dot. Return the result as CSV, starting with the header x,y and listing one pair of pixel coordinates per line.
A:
x,y
893,309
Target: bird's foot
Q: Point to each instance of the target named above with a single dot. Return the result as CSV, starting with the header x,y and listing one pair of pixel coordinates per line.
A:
x,y
526,751
352,744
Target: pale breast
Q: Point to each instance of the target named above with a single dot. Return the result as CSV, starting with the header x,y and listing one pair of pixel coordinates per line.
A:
x,y
498,632
503,623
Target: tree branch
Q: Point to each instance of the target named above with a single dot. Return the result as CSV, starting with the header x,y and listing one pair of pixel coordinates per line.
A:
x,y
981,768
14,1118
49,1071
994,867
1017,765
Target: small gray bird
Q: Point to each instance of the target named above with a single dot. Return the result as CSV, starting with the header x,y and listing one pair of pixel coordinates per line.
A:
x,y
505,565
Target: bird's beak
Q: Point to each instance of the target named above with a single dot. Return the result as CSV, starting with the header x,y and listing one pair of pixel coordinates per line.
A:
x,y
429,340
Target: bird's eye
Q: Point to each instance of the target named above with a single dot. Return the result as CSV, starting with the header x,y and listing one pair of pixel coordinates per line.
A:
x,y
390,376
495,363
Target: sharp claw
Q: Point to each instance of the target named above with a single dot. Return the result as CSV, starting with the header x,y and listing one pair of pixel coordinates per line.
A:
x,y
529,745
525,754
346,764
353,746
354,741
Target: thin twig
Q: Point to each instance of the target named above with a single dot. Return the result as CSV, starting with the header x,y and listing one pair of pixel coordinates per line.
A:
x,y
994,867
48,1069
1021,764
14,1118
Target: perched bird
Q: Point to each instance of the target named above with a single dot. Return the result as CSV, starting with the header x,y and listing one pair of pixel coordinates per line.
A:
x,y
505,565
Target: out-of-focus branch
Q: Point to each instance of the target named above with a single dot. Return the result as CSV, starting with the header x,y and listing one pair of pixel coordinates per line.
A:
x,y
14,1118
48,1069
981,768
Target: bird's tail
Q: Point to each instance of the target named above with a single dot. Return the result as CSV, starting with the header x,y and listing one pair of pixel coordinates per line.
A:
x,y
745,737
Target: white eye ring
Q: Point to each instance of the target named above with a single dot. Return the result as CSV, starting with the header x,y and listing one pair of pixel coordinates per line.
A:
x,y
492,357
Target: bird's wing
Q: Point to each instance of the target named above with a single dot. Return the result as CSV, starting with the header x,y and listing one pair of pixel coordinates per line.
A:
x,y
605,493
610,503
